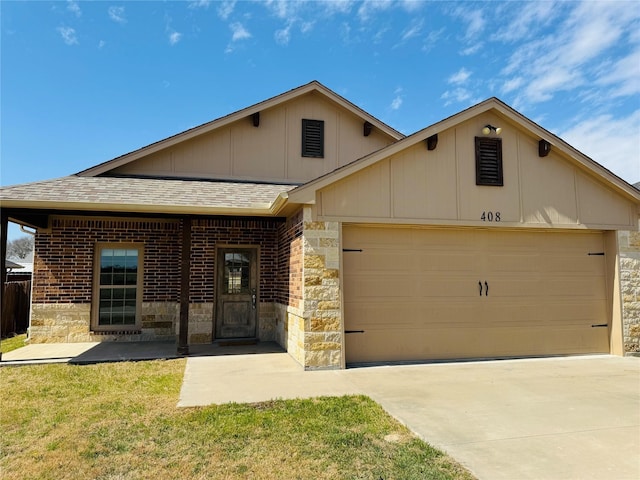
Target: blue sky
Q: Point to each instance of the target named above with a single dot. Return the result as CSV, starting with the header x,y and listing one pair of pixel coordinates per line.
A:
x,y
84,82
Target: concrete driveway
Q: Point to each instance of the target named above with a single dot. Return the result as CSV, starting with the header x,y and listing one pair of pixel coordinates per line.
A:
x,y
553,418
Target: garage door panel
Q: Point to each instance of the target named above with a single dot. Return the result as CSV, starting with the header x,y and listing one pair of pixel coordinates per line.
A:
x,y
445,343
564,311
415,293
568,286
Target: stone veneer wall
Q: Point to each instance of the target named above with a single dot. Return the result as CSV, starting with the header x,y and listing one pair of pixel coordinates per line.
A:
x,y
629,245
70,323
321,309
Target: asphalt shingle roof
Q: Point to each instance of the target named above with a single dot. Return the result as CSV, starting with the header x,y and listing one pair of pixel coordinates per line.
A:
x,y
146,192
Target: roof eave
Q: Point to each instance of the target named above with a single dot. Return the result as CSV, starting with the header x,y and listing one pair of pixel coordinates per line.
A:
x,y
261,210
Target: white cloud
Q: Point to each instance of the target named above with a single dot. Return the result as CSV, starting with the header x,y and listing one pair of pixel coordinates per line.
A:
x,y
369,8
612,142
283,35
101,43
529,17
226,8
338,6
199,4
68,35
456,95
306,27
413,30
73,6
238,32
475,21
396,103
622,75
174,37
512,84
577,52
117,14
472,49
460,77
432,39
282,8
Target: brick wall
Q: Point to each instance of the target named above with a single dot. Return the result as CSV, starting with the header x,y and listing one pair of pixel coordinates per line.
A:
x,y
63,263
207,233
289,290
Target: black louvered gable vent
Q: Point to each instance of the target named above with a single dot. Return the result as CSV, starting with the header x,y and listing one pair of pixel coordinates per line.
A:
x,y
313,138
489,161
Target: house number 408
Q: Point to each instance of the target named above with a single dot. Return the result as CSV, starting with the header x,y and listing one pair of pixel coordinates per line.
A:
x,y
490,216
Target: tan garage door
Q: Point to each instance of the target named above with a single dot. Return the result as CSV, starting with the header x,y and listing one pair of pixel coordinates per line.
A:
x,y
415,294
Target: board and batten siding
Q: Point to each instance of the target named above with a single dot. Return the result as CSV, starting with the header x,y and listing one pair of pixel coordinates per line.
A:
x,y
418,186
270,152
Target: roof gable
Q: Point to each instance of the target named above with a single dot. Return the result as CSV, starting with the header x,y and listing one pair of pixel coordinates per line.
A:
x,y
307,192
253,114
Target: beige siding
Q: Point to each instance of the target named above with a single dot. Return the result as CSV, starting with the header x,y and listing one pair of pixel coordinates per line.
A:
x,y
416,294
270,152
439,187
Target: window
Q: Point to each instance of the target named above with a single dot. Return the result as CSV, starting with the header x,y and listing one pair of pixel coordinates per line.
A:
x,y
236,273
313,138
489,161
118,287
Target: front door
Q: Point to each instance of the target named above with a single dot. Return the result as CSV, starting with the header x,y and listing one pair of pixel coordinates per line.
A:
x,y
237,301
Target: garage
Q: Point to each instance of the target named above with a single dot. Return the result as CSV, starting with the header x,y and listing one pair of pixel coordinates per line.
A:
x,y
446,293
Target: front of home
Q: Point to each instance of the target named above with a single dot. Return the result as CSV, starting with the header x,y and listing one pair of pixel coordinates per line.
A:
x,y
306,221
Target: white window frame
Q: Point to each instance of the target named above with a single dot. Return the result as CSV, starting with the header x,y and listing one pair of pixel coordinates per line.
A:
x,y
95,309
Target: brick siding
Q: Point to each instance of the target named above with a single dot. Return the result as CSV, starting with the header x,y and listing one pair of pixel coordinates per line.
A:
x,y
63,264
64,256
290,256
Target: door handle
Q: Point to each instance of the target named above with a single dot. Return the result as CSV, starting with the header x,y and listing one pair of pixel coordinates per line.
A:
x,y
486,289
253,300
480,285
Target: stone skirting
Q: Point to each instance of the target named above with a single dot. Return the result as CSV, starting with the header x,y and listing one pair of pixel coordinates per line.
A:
x,y
71,323
629,245
289,332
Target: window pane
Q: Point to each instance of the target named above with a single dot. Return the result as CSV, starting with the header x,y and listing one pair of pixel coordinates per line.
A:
x,y
118,270
236,272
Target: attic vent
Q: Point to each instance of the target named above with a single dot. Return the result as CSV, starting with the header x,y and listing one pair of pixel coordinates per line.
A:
x,y
489,161
313,138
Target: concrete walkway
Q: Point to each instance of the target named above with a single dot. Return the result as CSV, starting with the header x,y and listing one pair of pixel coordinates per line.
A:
x,y
553,418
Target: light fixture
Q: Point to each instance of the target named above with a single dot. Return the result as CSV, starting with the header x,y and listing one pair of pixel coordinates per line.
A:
x,y
432,142
490,128
544,148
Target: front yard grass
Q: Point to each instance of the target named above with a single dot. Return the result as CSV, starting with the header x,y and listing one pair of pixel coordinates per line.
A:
x,y
120,421
12,343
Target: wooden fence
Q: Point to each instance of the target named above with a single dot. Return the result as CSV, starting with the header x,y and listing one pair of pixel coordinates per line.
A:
x,y
16,299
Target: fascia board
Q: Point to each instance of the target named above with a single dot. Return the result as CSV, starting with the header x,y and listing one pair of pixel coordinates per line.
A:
x,y
255,210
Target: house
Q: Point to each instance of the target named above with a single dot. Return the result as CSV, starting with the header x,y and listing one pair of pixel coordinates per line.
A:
x,y
305,220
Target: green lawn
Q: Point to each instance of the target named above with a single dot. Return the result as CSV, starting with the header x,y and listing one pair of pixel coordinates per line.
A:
x,y
120,421
12,343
